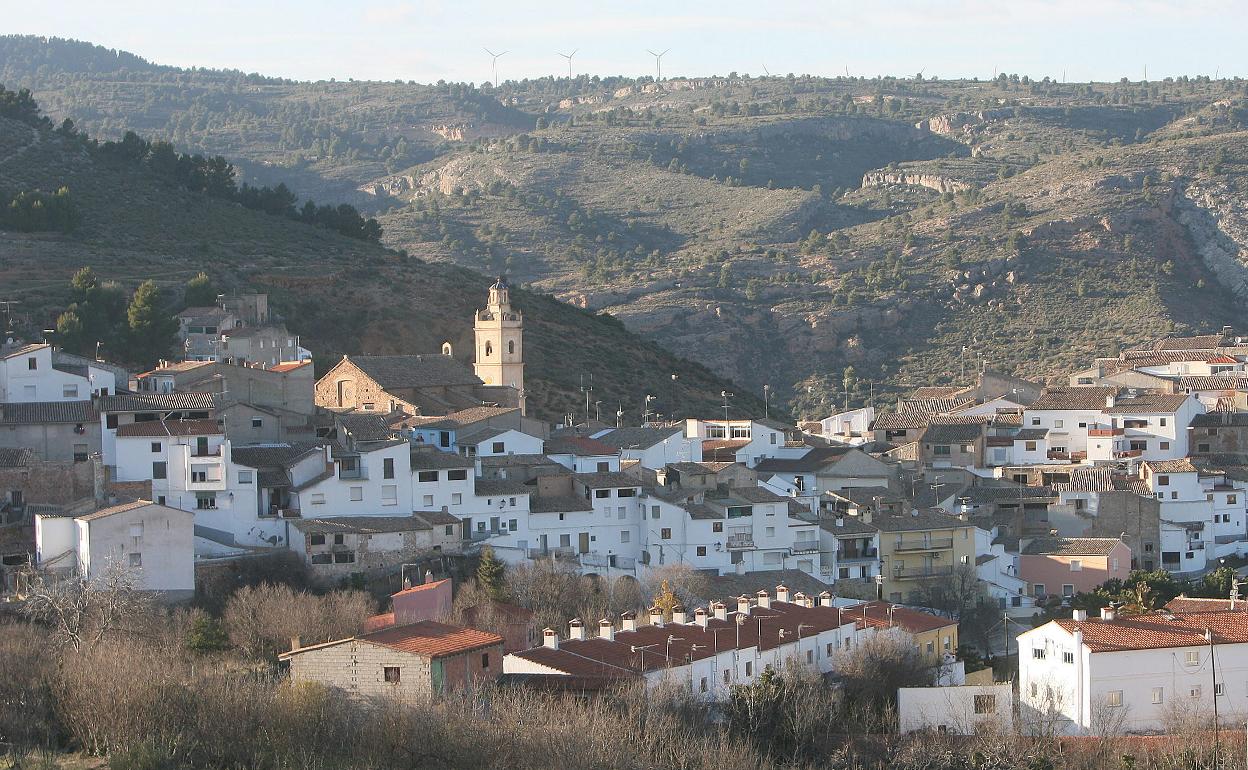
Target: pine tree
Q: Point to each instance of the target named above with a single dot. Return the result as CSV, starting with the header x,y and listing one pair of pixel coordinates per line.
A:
x,y
490,574
152,330
200,292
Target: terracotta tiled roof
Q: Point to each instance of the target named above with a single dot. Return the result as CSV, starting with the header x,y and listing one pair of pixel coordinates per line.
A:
x,y
934,391
1186,605
1149,632
952,434
152,402
1071,546
15,457
1148,404
421,371
169,428
35,412
432,639
1182,465
1214,382
876,615
427,638
1087,398
581,446
637,438
608,479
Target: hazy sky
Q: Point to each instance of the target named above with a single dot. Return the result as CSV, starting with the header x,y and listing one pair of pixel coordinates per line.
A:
x,y
427,41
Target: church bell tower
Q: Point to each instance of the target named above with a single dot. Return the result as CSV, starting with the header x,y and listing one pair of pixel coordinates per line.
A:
x,y
499,332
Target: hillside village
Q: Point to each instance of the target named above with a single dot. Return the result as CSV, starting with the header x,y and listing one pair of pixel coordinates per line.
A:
x,y
967,521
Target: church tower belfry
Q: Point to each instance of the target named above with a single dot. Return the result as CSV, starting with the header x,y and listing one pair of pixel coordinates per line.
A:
x,y
499,331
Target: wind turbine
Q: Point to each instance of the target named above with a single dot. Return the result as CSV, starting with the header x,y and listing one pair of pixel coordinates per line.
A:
x,y
496,57
658,63
569,56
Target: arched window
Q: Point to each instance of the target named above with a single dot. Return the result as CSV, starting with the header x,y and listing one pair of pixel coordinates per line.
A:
x,y
447,350
489,350
511,347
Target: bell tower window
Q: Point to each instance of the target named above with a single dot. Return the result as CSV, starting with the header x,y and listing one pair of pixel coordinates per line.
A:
x,y
489,350
511,347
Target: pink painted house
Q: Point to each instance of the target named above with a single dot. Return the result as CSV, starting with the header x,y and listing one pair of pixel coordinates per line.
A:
x,y
1065,566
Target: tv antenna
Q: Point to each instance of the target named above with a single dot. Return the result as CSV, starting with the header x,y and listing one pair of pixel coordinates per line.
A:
x,y
766,71
569,56
658,63
496,57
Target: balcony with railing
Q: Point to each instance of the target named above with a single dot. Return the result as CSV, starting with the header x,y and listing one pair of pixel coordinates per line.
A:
x,y
1104,432
927,544
608,560
559,552
864,554
740,542
805,546
920,573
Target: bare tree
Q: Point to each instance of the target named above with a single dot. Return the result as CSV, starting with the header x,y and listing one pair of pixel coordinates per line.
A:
x,y
83,611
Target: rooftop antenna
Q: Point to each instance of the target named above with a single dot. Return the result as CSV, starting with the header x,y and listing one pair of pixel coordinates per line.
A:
x,y
569,56
496,57
9,332
658,63
588,391
766,71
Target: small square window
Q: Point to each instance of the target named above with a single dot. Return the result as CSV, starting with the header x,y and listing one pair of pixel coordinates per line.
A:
x,y
485,660
1158,695
391,674
701,550
357,494
32,364
665,533
459,474
316,539
256,422
985,704
1193,658
156,447
136,560
1113,698
457,498
717,526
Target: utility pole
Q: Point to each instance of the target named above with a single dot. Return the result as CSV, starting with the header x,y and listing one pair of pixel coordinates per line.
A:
x,y
766,402
725,395
1213,666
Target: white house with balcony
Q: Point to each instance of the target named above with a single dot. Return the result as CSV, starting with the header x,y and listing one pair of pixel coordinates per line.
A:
x,y
763,438
1135,673
1149,427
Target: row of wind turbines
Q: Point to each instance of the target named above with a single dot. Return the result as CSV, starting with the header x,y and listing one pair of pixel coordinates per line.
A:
x,y
658,61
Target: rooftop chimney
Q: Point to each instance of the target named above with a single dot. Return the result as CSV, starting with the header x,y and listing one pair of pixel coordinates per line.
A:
x,y
700,616
720,609
606,630
428,576
764,600
1109,401
628,621
295,643
576,630
1108,613
678,615
656,616
743,604
799,599
825,599
550,638
840,521
782,593
1080,616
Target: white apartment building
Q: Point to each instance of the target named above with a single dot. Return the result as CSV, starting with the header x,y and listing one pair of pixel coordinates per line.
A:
x,y
38,372
1136,673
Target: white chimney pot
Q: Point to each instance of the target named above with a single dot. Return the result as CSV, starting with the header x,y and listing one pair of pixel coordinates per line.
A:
x,y
550,638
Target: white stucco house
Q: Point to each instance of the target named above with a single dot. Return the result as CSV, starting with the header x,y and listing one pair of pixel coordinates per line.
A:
x,y
154,542
1136,673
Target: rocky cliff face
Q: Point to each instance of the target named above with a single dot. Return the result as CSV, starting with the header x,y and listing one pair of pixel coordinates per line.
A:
x,y
1219,231
940,184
